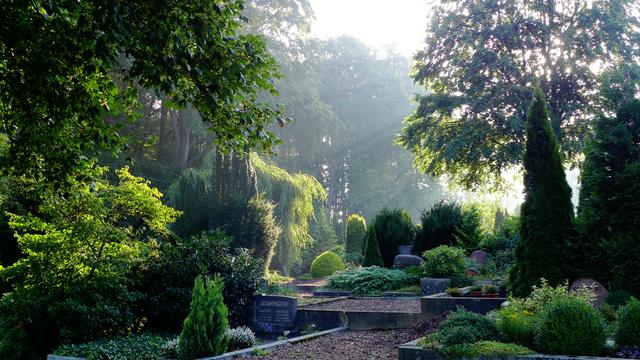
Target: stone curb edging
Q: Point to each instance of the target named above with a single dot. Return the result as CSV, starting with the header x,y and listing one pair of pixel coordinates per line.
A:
x,y
272,346
411,351
243,352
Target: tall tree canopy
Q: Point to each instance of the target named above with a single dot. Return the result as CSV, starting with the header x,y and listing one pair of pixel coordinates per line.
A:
x,y
482,56
64,65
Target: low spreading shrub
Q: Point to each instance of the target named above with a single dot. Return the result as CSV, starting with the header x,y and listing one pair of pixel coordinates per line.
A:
x,y
371,280
485,349
240,338
459,335
444,261
326,264
628,326
130,347
485,327
569,326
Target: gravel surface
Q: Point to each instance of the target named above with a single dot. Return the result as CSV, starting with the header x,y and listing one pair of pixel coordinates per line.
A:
x,y
354,345
390,305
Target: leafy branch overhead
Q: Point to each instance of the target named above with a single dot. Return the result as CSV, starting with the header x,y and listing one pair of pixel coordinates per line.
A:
x,y
70,64
480,61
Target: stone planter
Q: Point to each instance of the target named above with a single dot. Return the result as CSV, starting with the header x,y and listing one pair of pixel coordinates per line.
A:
x,y
411,351
432,286
433,305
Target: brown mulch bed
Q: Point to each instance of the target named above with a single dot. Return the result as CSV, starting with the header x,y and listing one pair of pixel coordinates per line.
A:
x,y
354,345
368,304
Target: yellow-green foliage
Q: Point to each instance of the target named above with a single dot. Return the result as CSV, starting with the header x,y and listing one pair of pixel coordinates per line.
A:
x,y
294,195
204,330
326,264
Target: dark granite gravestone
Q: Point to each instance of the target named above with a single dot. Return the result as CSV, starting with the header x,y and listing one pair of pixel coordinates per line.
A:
x,y
594,286
404,261
478,257
273,314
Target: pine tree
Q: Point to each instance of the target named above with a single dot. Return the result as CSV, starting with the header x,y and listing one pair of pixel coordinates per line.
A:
x,y
372,254
547,227
203,332
393,227
356,233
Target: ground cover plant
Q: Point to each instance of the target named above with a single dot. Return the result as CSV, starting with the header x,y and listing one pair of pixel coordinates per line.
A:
x,y
370,280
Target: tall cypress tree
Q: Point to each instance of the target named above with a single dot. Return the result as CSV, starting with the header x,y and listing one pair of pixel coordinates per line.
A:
x,y
372,254
547,225
356,234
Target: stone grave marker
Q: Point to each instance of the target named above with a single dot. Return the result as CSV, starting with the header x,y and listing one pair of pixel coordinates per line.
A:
x,y
601,293
478,257
404,261
273,314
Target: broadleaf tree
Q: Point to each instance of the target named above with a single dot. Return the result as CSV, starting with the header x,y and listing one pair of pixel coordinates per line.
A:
x,y
479,62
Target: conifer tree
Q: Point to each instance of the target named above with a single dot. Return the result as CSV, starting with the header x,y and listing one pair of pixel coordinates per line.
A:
x,y
372,254
203,332
356,233
547,225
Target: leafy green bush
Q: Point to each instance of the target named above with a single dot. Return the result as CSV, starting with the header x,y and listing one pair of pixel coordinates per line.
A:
x,y
515,323
326,264
355,236
569,326
132,347
618,298
209,253
628,326
204,330
393,227
82,253
438,226
240,338
444,261
371,280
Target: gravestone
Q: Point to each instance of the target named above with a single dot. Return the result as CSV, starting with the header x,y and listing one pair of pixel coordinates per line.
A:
x,y
404,261
273,314
479,257
594,286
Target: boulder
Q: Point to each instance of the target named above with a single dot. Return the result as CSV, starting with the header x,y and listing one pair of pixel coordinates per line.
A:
x,y
404,261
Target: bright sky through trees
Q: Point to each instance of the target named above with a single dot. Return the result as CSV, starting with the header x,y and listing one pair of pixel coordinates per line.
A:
x,y
379,23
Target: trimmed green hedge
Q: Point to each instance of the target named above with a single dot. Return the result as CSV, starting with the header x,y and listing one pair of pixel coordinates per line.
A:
x,y
326,264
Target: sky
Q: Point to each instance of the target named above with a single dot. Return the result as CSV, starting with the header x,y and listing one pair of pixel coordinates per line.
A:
x,y
378,23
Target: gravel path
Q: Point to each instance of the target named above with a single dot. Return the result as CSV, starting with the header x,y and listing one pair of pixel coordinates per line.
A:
x,y
353,345
369,304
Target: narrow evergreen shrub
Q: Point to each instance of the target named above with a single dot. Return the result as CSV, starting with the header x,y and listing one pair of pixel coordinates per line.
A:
x,y
444,261
569,326
326,264
438,226
204,330
628,326
393,227
547,212
356,233
372,256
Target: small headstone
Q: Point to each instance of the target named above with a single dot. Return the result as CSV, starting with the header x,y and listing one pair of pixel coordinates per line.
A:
x,y
404,261
405,249
479,257
273,314
594,286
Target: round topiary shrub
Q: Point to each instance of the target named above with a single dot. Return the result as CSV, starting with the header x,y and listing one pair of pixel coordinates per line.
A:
x,y
628,329
444,261
569,326
326,264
